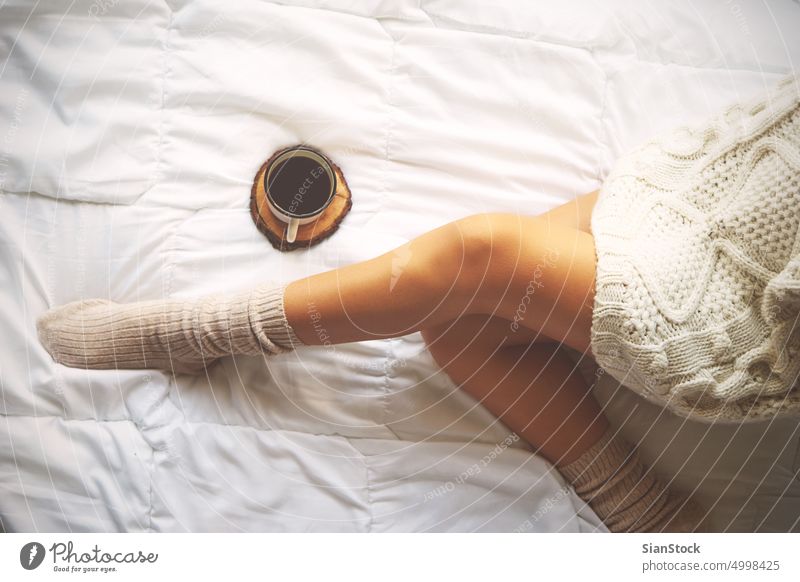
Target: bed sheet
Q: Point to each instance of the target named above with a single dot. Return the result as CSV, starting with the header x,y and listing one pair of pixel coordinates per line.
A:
x,y
129,136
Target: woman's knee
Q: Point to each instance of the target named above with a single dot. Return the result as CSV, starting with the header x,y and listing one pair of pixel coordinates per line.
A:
x,y
452,262
467,266
503,250
490,242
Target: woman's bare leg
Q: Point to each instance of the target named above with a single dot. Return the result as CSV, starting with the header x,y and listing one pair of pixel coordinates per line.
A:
x,y
527,380
482,290
521,375
527,269
534,387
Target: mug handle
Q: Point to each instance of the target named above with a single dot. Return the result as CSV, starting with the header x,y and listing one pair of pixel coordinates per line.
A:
x,y
291,230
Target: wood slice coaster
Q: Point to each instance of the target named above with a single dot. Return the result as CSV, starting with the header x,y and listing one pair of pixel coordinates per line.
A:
x,y
308,235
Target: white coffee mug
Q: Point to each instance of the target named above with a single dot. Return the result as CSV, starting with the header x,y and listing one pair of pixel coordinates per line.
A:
x,y
293,219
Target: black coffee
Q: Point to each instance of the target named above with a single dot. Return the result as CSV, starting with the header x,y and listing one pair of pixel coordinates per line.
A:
x,y
299,186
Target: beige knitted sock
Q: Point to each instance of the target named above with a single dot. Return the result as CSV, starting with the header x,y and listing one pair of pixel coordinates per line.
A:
x,y
180,335
624,494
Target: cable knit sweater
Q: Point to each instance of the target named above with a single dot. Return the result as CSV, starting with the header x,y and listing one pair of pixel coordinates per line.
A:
x,y
697,302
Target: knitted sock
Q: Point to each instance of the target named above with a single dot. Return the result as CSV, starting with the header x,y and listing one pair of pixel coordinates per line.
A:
x,y
176,335
627,497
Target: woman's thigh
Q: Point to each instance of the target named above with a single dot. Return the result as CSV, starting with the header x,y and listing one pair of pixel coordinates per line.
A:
x,y
540,275
577,213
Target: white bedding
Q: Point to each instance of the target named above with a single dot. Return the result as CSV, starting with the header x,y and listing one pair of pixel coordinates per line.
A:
x,y
129,136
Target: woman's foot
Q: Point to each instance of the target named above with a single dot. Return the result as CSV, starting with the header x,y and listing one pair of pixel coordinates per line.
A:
x,y
177,335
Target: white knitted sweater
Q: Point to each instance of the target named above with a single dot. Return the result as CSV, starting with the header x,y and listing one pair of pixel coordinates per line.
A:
x,y
697,302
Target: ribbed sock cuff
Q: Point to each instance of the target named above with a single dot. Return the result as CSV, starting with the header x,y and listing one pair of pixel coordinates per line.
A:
x,y
268,319
624,493
599,462
220,326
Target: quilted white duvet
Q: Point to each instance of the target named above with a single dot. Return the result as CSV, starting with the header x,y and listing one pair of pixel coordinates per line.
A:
x,y
130,132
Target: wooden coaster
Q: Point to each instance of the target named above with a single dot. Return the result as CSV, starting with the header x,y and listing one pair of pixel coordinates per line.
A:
x,y
308,235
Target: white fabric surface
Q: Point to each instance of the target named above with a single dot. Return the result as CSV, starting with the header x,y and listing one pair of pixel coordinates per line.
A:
x,y
129,136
